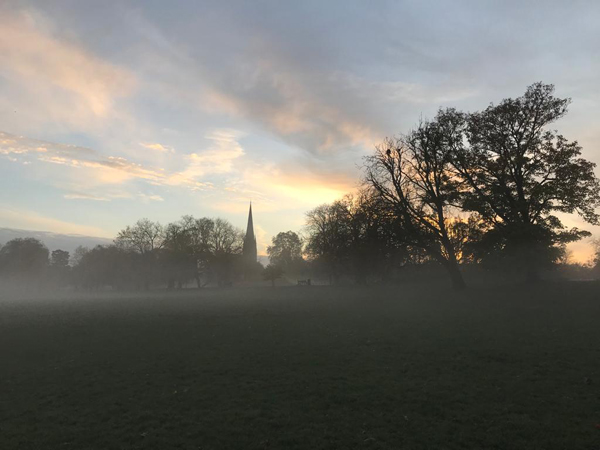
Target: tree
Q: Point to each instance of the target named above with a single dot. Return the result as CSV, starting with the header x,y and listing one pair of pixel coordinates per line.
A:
x,y
143,237
377,246
595,260
272,272
59,267
517,174
411,175
328,230
110,265
286,250
59,259
23,258
78,253
225,246
179,260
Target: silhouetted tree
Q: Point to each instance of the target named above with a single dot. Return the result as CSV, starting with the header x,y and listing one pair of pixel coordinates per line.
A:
x,y
517,174
412,177
355,237
143,237
286,251
59,258
78,253
596,258
178,256
146,239
59,267
24,259
378,245
272,272
328,230
225,245
112,266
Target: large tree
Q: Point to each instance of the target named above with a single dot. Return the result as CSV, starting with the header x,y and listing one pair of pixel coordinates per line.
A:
x,y
411,176
59,258
517,174
143,237
272,272
225,245
328,230
23,258
59,267
178,263
356,236
286,250
112,266
146,239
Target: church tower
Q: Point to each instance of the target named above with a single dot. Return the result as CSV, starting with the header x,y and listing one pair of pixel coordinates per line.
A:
x,y
249,249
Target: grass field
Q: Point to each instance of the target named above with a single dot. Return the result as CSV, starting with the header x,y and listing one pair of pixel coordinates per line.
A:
x,y
304,368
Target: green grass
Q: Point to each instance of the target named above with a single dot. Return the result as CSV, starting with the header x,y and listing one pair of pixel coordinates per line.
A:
x,y
309,368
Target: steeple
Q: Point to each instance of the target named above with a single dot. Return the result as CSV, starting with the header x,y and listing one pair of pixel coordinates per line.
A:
x,y
249,249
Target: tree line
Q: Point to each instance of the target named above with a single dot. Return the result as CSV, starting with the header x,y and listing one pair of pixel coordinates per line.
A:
x,y
461,190
202,251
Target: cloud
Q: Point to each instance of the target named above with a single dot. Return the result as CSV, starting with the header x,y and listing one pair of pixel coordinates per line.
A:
x,y
287,107
109,196
26,219
218,159
147,198
158,147
86,197
94,169
50,79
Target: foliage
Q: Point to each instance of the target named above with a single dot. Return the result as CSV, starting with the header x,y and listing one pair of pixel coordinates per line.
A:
x,y
517,174
355,236
272,272
24,258
286,250
59,258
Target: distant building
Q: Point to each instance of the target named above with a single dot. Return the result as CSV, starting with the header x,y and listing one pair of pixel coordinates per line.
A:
x,y
249,250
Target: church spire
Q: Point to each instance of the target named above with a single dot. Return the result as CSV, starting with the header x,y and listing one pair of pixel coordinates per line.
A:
x,y
250,227
249,250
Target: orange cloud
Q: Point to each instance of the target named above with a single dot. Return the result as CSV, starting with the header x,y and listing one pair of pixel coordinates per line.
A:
x,y
54,79
158,147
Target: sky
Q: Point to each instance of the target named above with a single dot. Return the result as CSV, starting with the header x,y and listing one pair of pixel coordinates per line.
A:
x,y
117,110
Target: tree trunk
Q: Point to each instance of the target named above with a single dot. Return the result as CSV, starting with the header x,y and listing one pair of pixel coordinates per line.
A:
x,y
458,282
451,265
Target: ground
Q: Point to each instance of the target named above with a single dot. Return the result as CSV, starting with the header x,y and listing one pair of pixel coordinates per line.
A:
x,y
306,367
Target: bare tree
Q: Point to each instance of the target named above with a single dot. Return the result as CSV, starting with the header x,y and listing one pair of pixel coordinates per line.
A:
x,y
143,237
412,176
328,230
